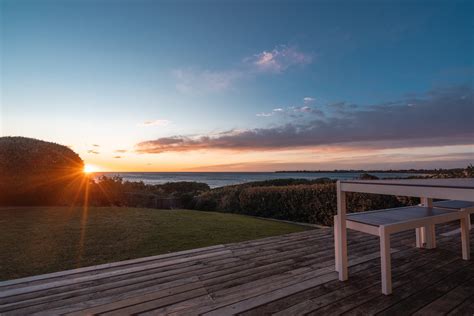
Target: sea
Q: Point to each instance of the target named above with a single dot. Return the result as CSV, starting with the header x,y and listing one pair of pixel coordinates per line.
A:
x,y
220,179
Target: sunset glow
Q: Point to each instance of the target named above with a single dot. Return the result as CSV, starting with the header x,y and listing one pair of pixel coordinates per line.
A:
x,y
362,85
88,168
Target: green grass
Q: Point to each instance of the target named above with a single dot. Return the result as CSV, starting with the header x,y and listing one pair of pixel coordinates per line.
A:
x,y
37,240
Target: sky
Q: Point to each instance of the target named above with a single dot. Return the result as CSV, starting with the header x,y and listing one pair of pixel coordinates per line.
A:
x,y
242,85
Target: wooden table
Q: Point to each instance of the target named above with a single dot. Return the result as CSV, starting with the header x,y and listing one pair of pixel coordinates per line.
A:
x,y
425,189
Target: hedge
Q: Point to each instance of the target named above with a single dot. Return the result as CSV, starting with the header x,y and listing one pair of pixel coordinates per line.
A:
x,y
315,203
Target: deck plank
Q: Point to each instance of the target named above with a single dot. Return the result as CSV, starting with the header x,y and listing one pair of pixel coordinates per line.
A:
x,y
289,274
450,300
464,309
420,299
338,303
358,281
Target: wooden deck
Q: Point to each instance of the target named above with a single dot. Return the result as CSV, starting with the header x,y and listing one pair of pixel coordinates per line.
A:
x,y
285,275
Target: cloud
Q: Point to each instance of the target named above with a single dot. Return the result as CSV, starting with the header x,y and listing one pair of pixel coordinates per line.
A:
x,y
273,112
118,157
95,145
292,111
305,109
197,81
369,162
441,117
301,111
91,151
120,151
308,100
155,123
279,59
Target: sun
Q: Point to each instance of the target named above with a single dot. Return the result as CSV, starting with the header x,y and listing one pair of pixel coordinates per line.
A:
x,y
90,169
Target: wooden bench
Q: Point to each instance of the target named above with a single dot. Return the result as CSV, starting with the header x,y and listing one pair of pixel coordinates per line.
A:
x,y
462,206
385,222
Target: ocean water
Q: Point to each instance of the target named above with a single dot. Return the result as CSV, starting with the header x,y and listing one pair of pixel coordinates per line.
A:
x,y
219,179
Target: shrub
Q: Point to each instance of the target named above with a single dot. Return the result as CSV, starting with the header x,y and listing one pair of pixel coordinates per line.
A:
x,y
367,176
35,172
285,182
300,203
107,191
313,203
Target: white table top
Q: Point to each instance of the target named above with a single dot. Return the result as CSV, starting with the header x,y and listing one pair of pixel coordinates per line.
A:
x,y
451,189
464,183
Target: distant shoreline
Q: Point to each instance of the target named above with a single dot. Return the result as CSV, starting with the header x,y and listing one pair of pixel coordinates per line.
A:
x,y
359,171
220,179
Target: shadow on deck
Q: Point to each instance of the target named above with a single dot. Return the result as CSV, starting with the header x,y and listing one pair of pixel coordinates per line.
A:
x,y
287,275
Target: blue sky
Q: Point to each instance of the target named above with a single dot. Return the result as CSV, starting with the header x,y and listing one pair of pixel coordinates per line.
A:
x,y
224,83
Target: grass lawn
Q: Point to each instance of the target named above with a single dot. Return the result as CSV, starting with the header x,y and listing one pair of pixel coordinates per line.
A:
x,y
37,240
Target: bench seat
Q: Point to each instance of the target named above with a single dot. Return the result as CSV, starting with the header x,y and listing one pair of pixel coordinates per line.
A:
x,y
399,219
463,206
400,215
455,205
383,223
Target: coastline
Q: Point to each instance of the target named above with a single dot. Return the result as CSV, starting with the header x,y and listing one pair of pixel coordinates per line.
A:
x,y
221,179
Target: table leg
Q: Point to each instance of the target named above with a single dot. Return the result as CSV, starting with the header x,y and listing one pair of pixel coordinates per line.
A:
x,y
466,252
428,233
468,219
431,237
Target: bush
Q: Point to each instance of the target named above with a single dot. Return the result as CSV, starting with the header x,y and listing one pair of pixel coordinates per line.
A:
x,y
367,176
285,182
300,203
113,191
313,203
35,172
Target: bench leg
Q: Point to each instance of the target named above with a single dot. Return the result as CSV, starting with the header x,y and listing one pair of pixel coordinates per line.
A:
x,y
341,240
466,252
336,243
341,250
428,232
426,237
385,259
419,238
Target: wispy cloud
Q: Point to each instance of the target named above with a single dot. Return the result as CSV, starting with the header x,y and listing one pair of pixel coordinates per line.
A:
x,y
155,123
91,151
377,160
118,157
308,100
263,114
95,145
271,113
279,59
441,117
305,109
121,151
197,81
292,111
